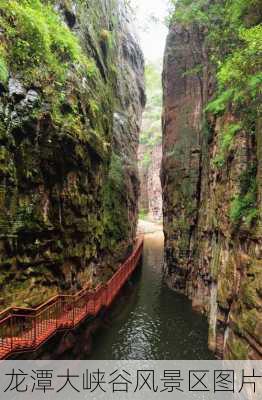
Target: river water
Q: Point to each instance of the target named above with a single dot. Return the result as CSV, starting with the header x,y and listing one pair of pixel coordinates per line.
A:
x,y
149,320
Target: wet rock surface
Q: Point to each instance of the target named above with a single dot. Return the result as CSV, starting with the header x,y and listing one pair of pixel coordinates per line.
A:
x,y
214,261
67,166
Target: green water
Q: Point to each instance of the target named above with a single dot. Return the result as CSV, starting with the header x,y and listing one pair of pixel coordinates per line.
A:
x,y
149,320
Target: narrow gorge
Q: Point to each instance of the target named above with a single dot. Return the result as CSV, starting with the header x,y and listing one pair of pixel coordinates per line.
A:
x,y
150,146
130,180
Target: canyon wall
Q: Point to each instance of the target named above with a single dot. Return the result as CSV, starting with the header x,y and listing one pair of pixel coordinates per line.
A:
x,y
211,177
71,99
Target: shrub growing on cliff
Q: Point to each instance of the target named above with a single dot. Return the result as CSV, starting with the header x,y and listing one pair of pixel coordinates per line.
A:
x,y
37,43
243,209
146,161
233,39
243,206
3,66
241,71
40,50
226,139
3,71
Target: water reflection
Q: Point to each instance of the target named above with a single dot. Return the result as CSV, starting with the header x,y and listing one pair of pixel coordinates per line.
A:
x,y
150,321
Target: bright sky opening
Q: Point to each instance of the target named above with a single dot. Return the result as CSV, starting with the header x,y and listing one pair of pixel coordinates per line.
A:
x,y
150,17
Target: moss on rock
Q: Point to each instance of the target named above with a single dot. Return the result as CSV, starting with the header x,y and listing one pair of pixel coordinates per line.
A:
x,y
59,89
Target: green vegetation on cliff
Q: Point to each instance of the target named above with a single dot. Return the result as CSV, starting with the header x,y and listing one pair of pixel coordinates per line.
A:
x,y
37,44
213,61
116,225
243,206
60,85
233,38
41,50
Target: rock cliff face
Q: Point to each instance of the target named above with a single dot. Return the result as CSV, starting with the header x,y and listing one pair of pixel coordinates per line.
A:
x,y
71,98
122,188
150,200
209,256
143,177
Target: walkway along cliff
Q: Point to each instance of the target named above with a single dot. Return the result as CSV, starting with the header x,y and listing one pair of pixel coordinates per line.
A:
x,y
71,100
211,171
27,329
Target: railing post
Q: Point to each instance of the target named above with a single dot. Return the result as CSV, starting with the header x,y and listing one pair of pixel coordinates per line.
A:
x,y
11,331
56,313
35,333
86,297
73,311
106,294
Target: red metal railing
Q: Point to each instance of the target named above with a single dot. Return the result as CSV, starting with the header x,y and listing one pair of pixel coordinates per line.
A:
x,y
23,329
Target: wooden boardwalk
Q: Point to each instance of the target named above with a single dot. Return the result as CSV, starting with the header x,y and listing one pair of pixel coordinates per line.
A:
x,y
26,329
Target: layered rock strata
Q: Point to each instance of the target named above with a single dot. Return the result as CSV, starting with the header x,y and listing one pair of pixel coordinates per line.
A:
x,y
71,99
210,256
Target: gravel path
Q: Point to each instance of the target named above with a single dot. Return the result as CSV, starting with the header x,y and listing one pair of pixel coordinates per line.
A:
x,y
148,227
